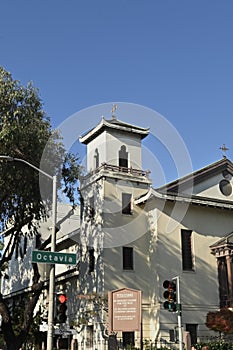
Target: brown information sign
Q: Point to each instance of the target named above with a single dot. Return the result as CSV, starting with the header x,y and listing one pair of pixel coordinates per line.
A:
x,y
124,307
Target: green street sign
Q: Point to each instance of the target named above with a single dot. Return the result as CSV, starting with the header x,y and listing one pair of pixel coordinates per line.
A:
x,y
40,256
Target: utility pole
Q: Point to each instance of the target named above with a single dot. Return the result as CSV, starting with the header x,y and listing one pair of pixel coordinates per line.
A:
x,y
52,269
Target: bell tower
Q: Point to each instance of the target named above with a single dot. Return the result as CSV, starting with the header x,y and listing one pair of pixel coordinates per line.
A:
x,y
114,143
114,179
114,173
110,221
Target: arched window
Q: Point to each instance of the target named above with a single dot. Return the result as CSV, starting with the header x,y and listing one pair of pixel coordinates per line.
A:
x,y
96,159
123,157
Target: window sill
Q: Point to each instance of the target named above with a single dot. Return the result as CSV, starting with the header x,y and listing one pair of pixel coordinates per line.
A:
x,y
189,271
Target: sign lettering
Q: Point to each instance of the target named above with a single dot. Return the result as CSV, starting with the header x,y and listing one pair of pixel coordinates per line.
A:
x,y
45,257
125,310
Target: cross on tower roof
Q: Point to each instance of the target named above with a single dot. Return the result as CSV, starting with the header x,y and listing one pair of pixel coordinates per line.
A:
x,y
114,108
224,150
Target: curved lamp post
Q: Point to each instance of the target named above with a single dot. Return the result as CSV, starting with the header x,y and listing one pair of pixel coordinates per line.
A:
x,y
53,246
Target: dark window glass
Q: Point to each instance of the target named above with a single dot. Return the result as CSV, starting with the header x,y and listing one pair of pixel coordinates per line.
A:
x,y
187,256
91,262
81,207
89,336
96,159
126,203
128,338
225,187
192,329
127,258
91,207
123,157
25,245
223,283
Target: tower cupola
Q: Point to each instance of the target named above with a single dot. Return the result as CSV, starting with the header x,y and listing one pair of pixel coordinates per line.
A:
x,y
116,143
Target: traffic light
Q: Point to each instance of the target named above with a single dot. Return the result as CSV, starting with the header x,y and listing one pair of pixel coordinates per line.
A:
x,y
170,295
61,308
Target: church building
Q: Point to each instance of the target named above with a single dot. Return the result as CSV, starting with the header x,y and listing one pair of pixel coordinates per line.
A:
x,y
139,236
130,238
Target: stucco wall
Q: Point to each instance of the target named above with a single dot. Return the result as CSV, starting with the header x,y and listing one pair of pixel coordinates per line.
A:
x,y
108,146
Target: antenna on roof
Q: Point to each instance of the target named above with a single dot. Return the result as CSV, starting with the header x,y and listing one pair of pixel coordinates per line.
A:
x,y
113,110
224,150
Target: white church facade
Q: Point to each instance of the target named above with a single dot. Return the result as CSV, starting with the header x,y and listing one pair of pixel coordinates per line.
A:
x,y
129,235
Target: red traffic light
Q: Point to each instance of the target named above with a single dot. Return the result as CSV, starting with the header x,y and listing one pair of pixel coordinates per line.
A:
x,y
62,298
61,308
169,285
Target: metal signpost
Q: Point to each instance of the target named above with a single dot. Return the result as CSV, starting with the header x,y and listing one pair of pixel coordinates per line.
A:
x,y
179,321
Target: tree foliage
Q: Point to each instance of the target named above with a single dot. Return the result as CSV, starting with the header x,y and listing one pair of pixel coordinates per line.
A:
x,y
221,321
25,133
25,195
214,345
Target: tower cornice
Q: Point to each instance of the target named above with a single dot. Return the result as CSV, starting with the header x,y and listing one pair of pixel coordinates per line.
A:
x,y
113,124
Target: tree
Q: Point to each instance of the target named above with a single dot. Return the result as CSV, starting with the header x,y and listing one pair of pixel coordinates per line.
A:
x,y
221,321
26,133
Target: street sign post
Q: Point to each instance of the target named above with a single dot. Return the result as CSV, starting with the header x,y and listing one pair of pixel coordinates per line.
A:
x,y
40,256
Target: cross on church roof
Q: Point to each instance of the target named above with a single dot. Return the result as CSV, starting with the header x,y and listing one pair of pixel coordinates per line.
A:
x,y
224,150
114,108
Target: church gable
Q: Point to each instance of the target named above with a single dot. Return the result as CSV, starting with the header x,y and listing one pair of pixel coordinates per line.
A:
x,y
214,181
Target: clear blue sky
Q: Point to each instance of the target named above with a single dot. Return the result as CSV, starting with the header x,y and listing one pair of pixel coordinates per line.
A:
x,y
172,56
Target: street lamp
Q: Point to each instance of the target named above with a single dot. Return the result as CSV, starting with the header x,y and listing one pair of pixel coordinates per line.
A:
x,y
53,246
